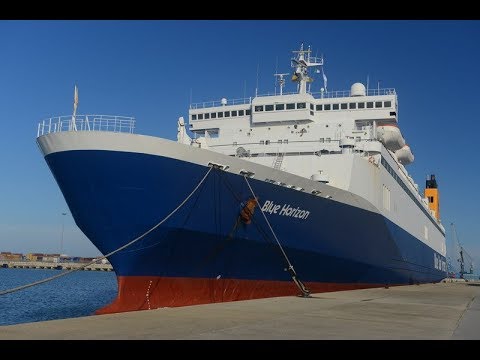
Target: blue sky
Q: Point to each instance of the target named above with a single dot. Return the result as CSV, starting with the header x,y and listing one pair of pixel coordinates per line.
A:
x,y
149,69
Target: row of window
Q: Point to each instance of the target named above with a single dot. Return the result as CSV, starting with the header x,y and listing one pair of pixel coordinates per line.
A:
x,y
321,140
325,107
285,141
293,106
267,142
353,105
220,114
400,182
289,106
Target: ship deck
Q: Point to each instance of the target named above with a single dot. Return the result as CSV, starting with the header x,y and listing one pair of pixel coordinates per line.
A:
x,y
446,310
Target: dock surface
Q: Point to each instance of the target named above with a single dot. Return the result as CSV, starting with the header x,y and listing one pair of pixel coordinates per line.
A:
x,y
427,311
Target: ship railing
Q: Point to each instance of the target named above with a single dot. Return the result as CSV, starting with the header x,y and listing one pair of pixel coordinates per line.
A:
x,y
209,104
347,93
110,123
316,95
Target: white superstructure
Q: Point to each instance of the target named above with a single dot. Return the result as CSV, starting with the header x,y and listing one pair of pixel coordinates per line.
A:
x,y
349,140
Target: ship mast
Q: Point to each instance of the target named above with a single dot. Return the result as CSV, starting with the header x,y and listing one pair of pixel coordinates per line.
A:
x,y
281,81
301,62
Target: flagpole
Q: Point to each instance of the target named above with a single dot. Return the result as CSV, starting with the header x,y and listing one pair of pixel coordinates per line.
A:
x,y
324,80
75,104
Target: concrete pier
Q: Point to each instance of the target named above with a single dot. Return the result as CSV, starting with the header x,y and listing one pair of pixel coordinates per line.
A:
x,y
447,310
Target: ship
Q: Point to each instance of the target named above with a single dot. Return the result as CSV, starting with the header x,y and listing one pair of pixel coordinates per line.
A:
x,y
282,194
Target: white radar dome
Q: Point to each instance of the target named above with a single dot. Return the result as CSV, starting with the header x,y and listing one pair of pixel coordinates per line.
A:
x,y
224,101
358,89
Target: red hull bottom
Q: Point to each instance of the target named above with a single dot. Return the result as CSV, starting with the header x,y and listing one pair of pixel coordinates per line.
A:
x,y
147,292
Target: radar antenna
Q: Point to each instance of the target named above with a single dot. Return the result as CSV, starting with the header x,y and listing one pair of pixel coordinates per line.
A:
x,y
301,62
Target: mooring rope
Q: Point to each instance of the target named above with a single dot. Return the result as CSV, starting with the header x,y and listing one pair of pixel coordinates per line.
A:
x,y
18,288
293,274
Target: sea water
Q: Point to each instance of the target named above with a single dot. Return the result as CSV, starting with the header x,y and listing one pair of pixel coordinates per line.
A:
x,y
79,293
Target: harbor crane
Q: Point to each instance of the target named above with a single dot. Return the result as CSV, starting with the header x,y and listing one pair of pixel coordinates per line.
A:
x,y
463,255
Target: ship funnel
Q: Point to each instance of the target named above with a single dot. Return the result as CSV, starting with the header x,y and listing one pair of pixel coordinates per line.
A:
x,y
431,193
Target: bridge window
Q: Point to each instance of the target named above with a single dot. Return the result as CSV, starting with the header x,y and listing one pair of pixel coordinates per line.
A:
x,y
262,142
321,140
200,116
352,105
207,116
220,114
227,113
369,104
279,141
268,107
378,104
387,104
267,142
335,106
361,105
213,115
343,106
301,105
326,107
234,113
285,141
247,112
194,116
279,106
319,107
258,108
291,106
311,106
240,112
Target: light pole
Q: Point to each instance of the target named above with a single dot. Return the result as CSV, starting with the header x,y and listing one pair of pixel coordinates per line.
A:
x,y
63,230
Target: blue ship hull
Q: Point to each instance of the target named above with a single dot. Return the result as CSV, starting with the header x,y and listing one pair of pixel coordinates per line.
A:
x,y
116,196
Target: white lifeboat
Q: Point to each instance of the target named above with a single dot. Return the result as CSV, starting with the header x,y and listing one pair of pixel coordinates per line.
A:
x,y
404,155
390,136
